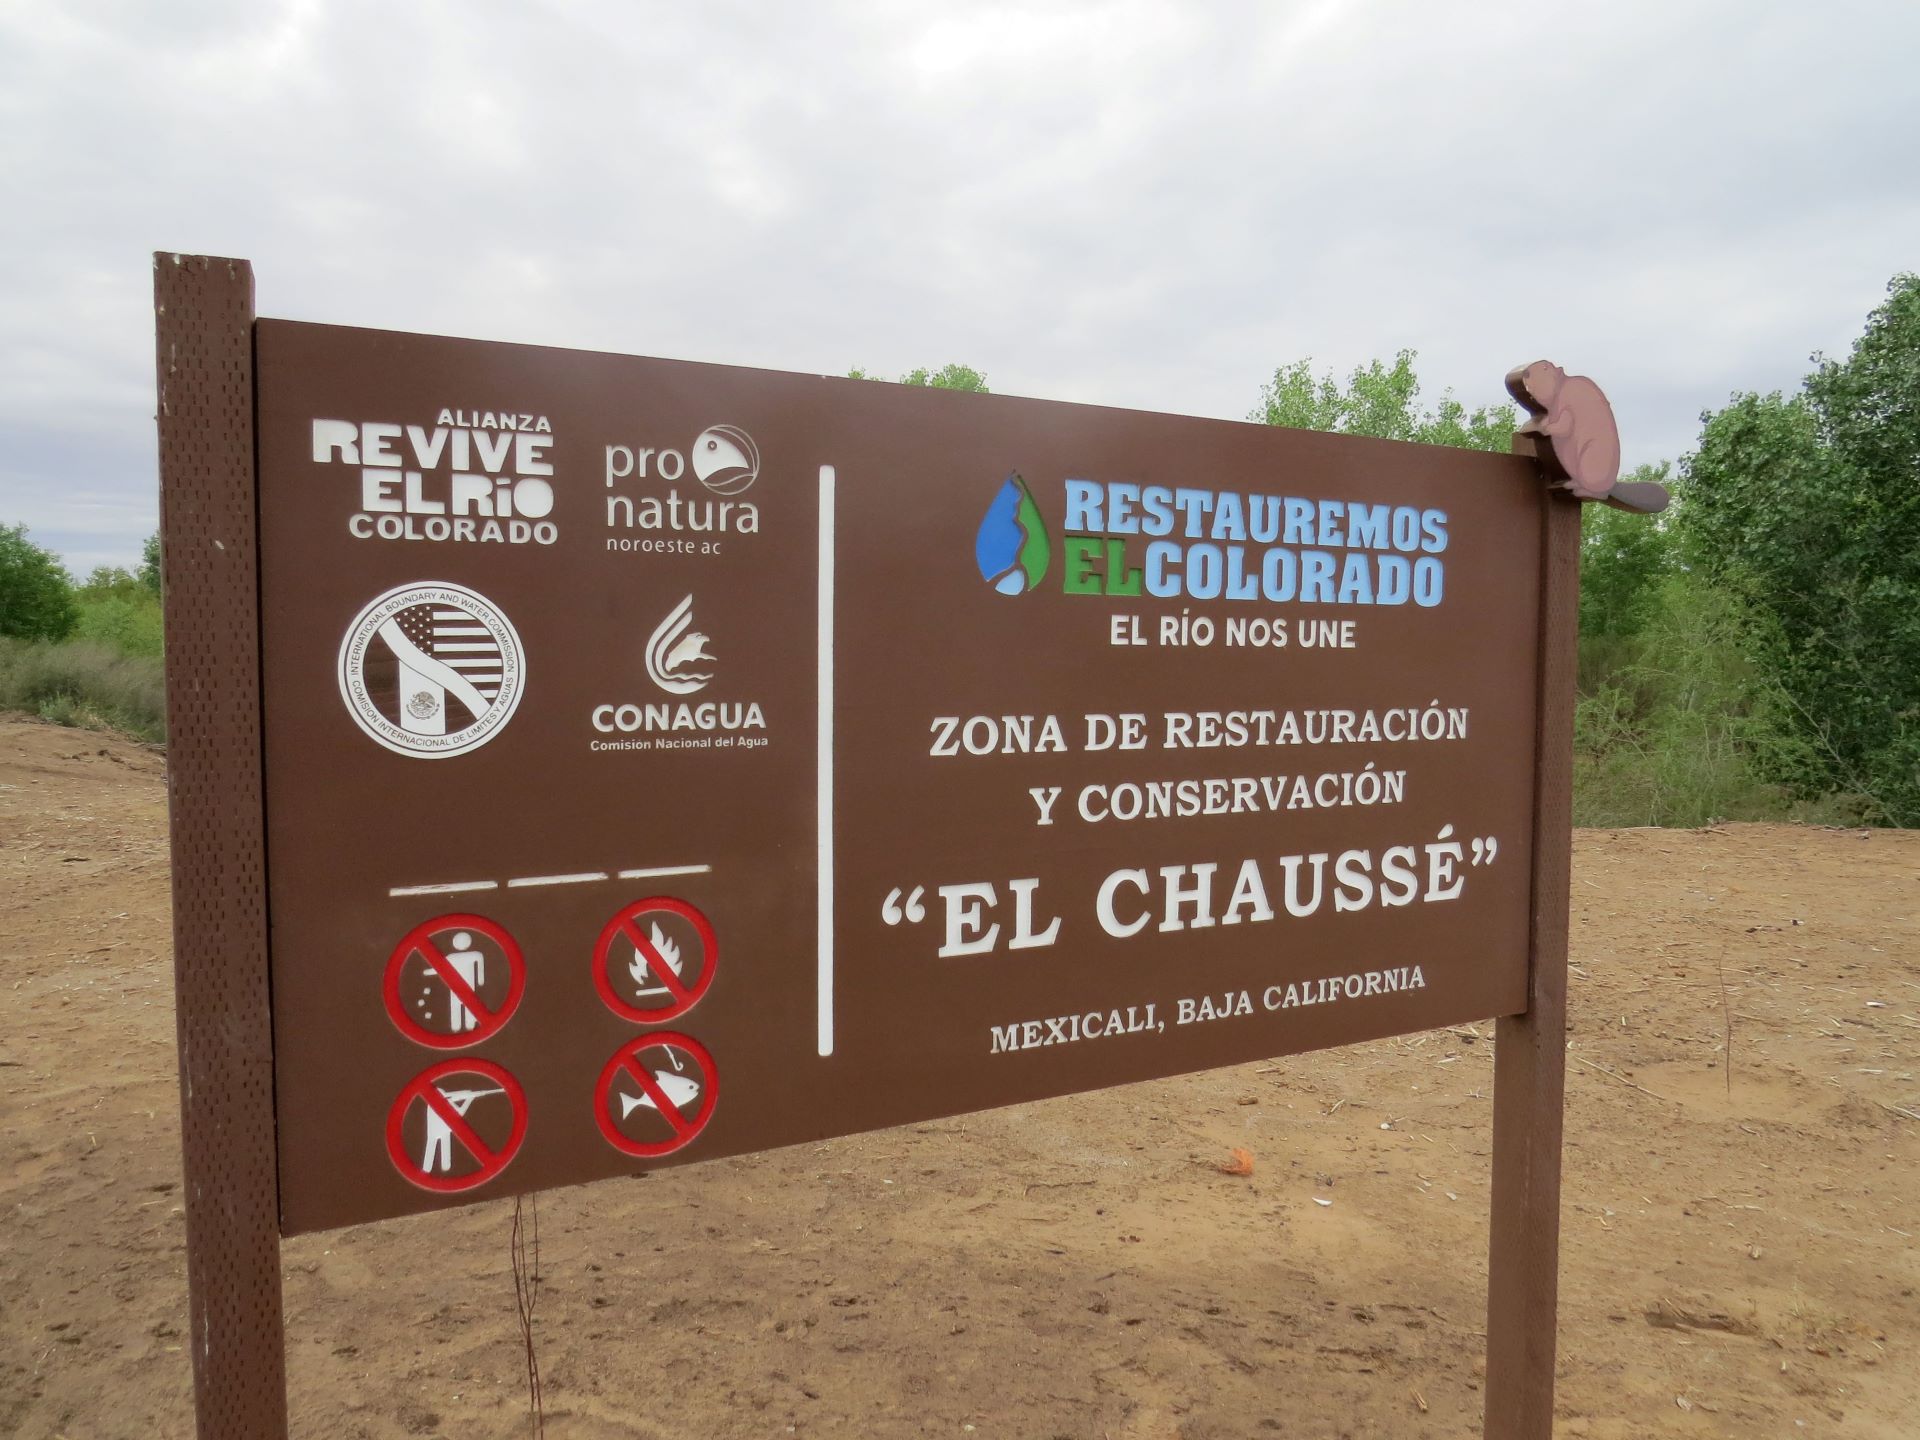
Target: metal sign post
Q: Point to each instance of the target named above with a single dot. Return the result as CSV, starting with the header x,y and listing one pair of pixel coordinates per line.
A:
x,y
204,312
1530,1049
583,764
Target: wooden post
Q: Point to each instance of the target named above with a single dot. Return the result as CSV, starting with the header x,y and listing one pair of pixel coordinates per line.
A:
x,y
203,310
1530,1059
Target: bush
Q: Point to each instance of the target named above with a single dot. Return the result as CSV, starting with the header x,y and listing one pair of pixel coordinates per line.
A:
x,y
85,684
125,621
1677,726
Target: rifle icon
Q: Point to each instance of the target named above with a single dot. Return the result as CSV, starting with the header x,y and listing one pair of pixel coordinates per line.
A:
x,y
437,1152
463,1099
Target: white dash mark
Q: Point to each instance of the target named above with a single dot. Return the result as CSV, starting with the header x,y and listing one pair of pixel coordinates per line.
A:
x,y
453,889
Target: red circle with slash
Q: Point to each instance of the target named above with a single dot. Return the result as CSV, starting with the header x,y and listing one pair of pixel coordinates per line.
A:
x,y
685,1120
680,998
425,1089
462,994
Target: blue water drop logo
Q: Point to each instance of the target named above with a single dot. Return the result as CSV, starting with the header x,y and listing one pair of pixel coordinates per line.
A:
x,y
1012,549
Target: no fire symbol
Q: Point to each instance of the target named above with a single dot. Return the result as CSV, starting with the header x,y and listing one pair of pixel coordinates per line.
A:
x,y
456,1125
654,960
454,981
656,1094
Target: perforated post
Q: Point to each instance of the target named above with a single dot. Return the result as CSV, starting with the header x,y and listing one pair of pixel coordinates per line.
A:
x,y
1530,1050
203,310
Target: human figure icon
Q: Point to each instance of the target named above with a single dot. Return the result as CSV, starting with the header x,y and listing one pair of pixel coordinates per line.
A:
x,y
471,966
437,1154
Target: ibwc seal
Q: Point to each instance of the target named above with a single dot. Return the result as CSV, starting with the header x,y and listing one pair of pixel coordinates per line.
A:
x,y
431,669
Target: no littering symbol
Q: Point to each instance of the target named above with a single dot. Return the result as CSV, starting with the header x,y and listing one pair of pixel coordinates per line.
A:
x,y
454,981
656,1094
456,1125
655,959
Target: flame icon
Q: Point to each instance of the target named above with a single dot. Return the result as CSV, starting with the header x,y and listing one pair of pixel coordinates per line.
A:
x,y
668,950
1012,549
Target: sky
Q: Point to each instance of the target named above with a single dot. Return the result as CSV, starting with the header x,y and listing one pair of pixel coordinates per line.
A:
x,y
1139,204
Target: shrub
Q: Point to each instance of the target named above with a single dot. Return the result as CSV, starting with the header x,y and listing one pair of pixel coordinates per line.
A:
x,y
85,684
1677,726
125,621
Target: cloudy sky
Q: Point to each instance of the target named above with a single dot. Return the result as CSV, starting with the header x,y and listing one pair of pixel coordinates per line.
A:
x,y
1143,204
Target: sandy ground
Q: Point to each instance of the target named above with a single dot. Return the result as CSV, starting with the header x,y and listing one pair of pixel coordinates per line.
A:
x,y
1737,1262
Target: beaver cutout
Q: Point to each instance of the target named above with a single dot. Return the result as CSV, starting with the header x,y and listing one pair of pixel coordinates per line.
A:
x,y
1571,412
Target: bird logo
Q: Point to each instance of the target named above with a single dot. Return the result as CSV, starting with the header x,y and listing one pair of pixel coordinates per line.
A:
x,y
675,652
725,459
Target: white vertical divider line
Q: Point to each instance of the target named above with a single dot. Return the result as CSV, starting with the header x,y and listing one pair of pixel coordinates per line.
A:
x,y
823,766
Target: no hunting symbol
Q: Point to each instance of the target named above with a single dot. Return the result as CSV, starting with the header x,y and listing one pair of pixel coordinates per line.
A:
x,y
457,1125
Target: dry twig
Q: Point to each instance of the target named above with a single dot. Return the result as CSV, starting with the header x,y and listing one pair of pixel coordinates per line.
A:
x,y
524,1256
1621,1078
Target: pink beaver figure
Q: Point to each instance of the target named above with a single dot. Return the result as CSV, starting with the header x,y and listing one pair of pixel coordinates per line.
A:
x,y
1572,412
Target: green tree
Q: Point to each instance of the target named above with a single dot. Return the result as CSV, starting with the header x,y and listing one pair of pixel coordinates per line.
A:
x,y
111,580
36,595
149,571
1624,557
1808,504
947,377
1382,401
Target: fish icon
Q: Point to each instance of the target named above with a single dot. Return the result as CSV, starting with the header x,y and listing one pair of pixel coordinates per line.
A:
x,y
680,1090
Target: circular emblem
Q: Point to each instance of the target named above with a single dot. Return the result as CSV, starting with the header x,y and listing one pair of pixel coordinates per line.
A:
x,y
725,459
431,669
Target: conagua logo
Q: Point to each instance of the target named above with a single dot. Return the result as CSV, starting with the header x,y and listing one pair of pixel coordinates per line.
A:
x,y
431,670
1012,549
675,651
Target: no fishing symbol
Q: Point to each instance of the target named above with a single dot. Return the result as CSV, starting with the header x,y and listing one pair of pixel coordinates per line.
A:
x,y
645,964
656,1094
454,981
456,1125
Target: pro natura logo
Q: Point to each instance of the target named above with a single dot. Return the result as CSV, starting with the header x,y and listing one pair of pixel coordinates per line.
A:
x,y
726,460
647,511
431,670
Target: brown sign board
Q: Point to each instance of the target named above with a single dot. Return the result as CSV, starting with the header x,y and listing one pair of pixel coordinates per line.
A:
x,y
910,752
583,763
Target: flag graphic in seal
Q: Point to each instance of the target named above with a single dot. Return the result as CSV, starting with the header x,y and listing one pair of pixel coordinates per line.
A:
x,y
431,670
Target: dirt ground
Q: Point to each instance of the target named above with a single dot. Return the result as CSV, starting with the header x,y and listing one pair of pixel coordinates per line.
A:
x,y
1737,1262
